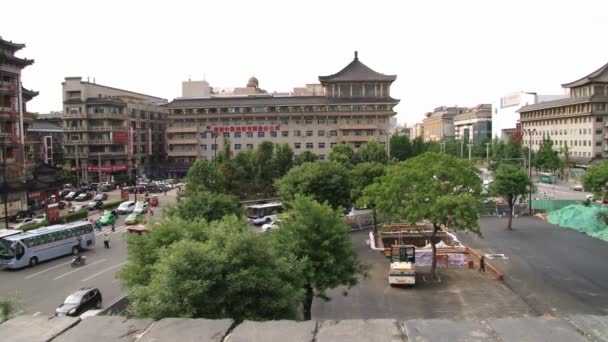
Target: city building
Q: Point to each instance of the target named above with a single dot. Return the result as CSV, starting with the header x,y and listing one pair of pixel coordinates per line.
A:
x,y
418,131
110,132
474,124
46,133
439,124
505,111
352,106
578,121
16,153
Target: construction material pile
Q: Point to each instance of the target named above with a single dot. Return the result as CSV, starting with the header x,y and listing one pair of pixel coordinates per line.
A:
x,y
590,220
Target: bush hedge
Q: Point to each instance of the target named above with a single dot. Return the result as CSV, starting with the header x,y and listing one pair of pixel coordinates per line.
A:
x,y
34,226
75,216
111,205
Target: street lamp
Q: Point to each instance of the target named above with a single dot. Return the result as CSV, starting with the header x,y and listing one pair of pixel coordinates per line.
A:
x,y
530,132
488,152
4,184
469,146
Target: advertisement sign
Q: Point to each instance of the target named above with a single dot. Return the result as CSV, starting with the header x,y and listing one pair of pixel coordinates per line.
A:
x,y
222,129
509,100
124,194
130,142
35,195
52,213
120,137
149,141
103,168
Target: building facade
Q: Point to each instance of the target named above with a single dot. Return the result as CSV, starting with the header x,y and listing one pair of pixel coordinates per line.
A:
x,y
474,124
505,109
16,153
110,132
46,133
578,123
439,124
352,106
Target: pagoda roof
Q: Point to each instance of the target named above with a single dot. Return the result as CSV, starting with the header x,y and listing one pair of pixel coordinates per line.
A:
x,y
357,71
23,62
9,44
29,93
599,75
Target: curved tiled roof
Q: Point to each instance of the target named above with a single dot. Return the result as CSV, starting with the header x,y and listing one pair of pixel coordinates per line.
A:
x,y
272,101
589,78
11,45
357,71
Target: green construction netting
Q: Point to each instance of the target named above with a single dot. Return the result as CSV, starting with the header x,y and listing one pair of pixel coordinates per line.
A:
x,y
589,220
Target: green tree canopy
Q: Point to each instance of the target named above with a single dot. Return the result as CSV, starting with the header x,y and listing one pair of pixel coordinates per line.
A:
x,y
324,181
244,173
282,158
547,158
319,238
418,146
307,157
342,153
362,175
205,205
433,187
401,147
372,152
204,176
596,180
232,273
510,182
265,169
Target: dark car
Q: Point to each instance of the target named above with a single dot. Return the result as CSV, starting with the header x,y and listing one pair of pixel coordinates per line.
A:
x,y
85,196
64,193
100,197
21,215
72,195
85,299
61,205
95,205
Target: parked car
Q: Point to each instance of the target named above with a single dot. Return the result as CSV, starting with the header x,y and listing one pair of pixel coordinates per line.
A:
x,y
20,215
276,223
577,187
40,218
22,222
84,299
63,193
100,197
61,205
126,207
85,196
93,186
134,218
106,187
107,218
95,205
71,195
75,208
141,208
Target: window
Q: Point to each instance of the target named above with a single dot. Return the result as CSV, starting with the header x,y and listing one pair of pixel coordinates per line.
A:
x,y
309,133
598,131
237,134
331,145
321,145
599,119
370,132
321,157
321,133
285,133
357,133
333,133
273,134
226,134
297,146
308,122
598,143
249,134
321,122
261,134
237,147
357,145
345,133
297,133
309,145
204,147
381,132
214,147
250,146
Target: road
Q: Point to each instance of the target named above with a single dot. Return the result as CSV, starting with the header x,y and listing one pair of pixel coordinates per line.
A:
x,y
41,289
554,270
558,192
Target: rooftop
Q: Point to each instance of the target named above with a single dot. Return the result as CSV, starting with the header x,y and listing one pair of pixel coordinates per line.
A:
x,y
562,102
271,100
599,75
356,71
10,45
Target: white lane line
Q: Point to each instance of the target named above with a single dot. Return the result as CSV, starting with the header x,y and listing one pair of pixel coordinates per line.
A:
x,y
37,313
48,269
80,268
107,269
109,230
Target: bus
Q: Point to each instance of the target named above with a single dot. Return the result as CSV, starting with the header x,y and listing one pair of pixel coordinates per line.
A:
x,y
19,249
259,214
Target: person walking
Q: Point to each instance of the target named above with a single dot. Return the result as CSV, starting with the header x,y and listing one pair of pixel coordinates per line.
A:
x,y
482,264
114,225
151,211
106,240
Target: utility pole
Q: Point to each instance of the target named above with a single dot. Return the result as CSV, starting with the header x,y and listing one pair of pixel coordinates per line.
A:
x,y
4,187
469,146
99,166
77,168
461,148
488,152
530,131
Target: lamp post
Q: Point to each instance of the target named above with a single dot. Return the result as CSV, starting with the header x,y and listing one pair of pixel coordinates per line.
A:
x,y
530,131
4,187
488,152
469,146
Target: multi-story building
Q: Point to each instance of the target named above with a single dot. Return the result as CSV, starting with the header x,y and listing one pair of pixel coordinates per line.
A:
x,y
110,131
46,133
352,106
439,124
505,109
418,131
16,154
474,124
579,121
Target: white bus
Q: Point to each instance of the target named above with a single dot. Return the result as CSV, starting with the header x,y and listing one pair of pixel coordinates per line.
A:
x,y
259,214
18,249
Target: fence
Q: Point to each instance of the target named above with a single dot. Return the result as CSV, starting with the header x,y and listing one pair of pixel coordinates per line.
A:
x,y
497,209
552,205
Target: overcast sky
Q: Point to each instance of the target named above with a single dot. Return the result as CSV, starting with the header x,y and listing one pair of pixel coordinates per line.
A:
x,y
453,52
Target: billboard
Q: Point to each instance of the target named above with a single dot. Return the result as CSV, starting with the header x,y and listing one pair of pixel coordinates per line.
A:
x,y
509,100
124,194
120,137
220,129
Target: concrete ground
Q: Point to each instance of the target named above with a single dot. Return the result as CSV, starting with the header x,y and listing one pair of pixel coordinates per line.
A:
x,y
460,293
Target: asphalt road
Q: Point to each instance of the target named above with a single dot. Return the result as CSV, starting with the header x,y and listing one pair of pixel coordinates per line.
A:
x,y
558,192
41,289
554,270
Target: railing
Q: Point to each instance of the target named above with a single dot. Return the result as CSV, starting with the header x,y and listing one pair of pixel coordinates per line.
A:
x,y
100,142
184,153
107,115
72,129
182,141
74,116
189,128
108,128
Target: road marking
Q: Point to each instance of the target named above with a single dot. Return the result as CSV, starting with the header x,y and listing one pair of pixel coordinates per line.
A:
x,y
48,269
107,269
78,269
109,230
37,313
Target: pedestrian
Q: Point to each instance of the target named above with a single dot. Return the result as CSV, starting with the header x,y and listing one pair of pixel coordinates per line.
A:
x,y
113,226
151,211
165,192
106,241
482,264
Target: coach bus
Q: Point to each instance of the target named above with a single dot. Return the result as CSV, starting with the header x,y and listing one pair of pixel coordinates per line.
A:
x,y
258,214
18,249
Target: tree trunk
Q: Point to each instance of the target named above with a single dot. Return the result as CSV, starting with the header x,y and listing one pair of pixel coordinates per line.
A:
x,y
434,251
308,297
374,221
510,216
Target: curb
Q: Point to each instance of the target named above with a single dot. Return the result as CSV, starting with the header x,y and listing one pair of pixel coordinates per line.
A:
x,y
499,274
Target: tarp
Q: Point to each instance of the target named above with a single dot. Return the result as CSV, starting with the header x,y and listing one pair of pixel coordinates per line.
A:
x,y
589,220
425,258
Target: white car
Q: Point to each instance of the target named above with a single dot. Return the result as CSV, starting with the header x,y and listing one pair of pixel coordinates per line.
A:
x,y
40,218
577,187
140,208
272,225
126,207
75,208
22,222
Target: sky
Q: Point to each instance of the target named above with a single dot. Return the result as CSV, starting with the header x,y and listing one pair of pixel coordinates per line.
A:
x,y
443,52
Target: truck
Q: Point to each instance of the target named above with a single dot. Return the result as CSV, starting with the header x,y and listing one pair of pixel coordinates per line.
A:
x,y
403,265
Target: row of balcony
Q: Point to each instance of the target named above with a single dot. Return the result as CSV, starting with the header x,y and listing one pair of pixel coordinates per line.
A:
x,y
8,86
91,142
95,116
86,154
183,153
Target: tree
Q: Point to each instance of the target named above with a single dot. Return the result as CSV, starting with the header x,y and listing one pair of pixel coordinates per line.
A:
x,y
319,238
510,182
418,146
401,147
547,158
282,158
342,153
362,175
324,181
244,173
596,180
204,176
265,170
205,205
307,157
433,187
372,152
231,273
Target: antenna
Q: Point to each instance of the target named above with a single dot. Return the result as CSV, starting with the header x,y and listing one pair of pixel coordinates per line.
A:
x,y
189,79
204,76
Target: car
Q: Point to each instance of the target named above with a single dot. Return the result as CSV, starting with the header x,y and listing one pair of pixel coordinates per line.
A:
x,y
20,215
63,193
93,186
22,222
100,197
576,187
95,205
86,298
40,218
140,208
85,196
71,196
276,223
76,208
134,218
61,205
126,207
107,218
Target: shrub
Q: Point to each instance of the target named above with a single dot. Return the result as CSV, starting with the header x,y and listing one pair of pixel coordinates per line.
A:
x,y
75,216
34,226
111,205
7,308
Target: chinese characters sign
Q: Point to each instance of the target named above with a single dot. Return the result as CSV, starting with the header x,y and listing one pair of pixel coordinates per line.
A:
x,y
222,129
